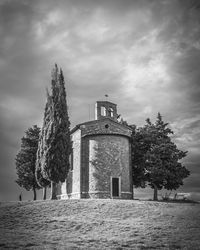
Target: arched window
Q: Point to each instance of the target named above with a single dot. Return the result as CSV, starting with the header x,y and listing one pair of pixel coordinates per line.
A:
x,y
110,112
103,111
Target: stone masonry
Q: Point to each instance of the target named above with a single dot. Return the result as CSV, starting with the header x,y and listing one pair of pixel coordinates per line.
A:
x,y
100,162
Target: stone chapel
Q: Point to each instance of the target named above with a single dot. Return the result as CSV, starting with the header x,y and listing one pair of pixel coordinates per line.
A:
x,y
100,164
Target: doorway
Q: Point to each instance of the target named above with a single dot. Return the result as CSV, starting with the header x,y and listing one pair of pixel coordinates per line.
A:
x,y
115,187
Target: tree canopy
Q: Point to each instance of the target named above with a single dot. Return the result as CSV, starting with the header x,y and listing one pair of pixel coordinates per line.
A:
x,y
55,145
156,158
26,158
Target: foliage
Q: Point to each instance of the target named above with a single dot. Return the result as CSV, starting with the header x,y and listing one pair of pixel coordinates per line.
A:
x,y
26,158
42,181
54,144
155,158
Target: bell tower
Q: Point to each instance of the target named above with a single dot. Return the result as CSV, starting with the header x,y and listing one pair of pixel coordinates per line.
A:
x,y
105,109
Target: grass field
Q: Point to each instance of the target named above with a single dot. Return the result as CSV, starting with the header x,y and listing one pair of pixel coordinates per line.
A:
x,y
99,224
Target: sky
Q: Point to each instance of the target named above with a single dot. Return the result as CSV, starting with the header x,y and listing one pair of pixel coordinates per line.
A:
x,y
144,54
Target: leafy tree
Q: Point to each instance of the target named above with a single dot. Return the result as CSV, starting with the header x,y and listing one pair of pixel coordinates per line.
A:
x,y
54,145
155,158
26,158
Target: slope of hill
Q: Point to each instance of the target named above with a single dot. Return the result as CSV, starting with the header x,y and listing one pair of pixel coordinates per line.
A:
x,y
99,224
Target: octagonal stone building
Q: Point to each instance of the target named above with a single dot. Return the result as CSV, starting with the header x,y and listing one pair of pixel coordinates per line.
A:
x,y
100,164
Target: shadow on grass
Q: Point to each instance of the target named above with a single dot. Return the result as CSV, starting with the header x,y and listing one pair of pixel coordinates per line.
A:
x,y
176,201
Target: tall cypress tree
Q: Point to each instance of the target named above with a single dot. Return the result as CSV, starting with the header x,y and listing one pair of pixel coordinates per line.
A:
x,y
55,145
41,180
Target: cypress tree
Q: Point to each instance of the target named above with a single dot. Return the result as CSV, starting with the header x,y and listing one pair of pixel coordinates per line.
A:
x,y
43,182
55,145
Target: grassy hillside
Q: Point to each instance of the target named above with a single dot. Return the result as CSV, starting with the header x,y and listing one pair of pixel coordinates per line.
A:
x,y
99,224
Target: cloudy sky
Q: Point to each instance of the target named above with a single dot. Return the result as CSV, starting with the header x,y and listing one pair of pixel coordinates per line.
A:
x,y
145,54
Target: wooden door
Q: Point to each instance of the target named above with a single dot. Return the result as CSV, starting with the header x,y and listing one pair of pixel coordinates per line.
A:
x,y
115,187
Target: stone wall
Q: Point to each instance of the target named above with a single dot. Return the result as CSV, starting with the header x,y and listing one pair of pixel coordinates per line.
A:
x,y
101,150
84,167
109,156
75,190
105,126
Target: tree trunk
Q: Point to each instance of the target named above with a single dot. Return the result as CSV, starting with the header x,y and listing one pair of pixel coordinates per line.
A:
x,y
53,191
44,193
34,194
155,194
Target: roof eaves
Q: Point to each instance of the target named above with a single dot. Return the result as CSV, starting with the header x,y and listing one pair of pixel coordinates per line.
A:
x,y
89,122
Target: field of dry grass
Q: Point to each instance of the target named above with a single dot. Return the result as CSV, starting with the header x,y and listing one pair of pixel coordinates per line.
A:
x,y
99,224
